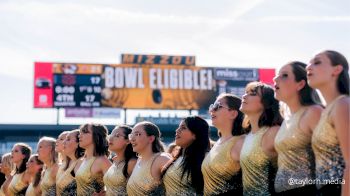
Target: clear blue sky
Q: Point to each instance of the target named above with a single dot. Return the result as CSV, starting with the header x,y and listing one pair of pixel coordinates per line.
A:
x,y
235,33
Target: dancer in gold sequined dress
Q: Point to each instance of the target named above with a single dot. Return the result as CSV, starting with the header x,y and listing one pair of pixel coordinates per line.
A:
x,y
89,176
146,176
65,182
117,175
62,158
221,169
296,159
258,155
329,73
48,155
6,167
34,167
20,180
183,175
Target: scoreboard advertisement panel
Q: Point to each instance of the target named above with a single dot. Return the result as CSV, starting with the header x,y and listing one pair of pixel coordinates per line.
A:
x,y
157,86
137,86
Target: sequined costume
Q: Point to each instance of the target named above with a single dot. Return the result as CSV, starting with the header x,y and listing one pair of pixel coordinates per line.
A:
x,y
87,183
141,182
17,186
330,163
5,183
48,184
60,170
115,180
295,156
2,192
174,184
31,190
258,169
220,172
65,183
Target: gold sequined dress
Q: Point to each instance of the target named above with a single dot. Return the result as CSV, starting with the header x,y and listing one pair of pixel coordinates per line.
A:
x,y
17,186
221,173
258,169
141,182
115,180
295,156
61,167
174,184
87,183
65,182
330,163
60,171
2,187
31,190
2,192
48,184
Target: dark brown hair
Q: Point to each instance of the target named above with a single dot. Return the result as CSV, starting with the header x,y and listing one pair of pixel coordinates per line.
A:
x,y
271,115
99,137
194,154
343,79
234,103
26,150
79,152
307,95
37,176
128,153
152,129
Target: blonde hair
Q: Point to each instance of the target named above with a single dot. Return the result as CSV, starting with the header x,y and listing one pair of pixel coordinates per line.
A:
x,y
52,143
61,157
171,147
6,161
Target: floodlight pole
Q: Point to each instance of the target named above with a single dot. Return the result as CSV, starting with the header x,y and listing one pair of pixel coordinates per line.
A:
x,y
58,116
190,111
125,117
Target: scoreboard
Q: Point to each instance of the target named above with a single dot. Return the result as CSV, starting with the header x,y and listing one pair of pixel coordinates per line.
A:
x,y
77,90
67,85
138,86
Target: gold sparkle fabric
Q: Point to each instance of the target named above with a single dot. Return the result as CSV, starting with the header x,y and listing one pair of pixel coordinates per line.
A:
x,y
296,159
258,169
48,184
16,185
141,182
2,191
60,170
87,183
174,184
31,190
65,182
220,172
115,180
330,163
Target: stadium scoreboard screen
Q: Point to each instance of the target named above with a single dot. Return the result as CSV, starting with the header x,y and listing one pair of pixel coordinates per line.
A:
x,y
138,86
77,90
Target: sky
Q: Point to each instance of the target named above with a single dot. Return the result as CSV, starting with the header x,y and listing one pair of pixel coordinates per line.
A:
x,y
232,33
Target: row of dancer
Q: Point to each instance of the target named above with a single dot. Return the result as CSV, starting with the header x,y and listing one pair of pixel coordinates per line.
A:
x,y
257,153
306,152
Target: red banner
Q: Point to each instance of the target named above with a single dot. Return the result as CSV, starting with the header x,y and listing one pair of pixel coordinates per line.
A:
x,y
266,76
43,85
